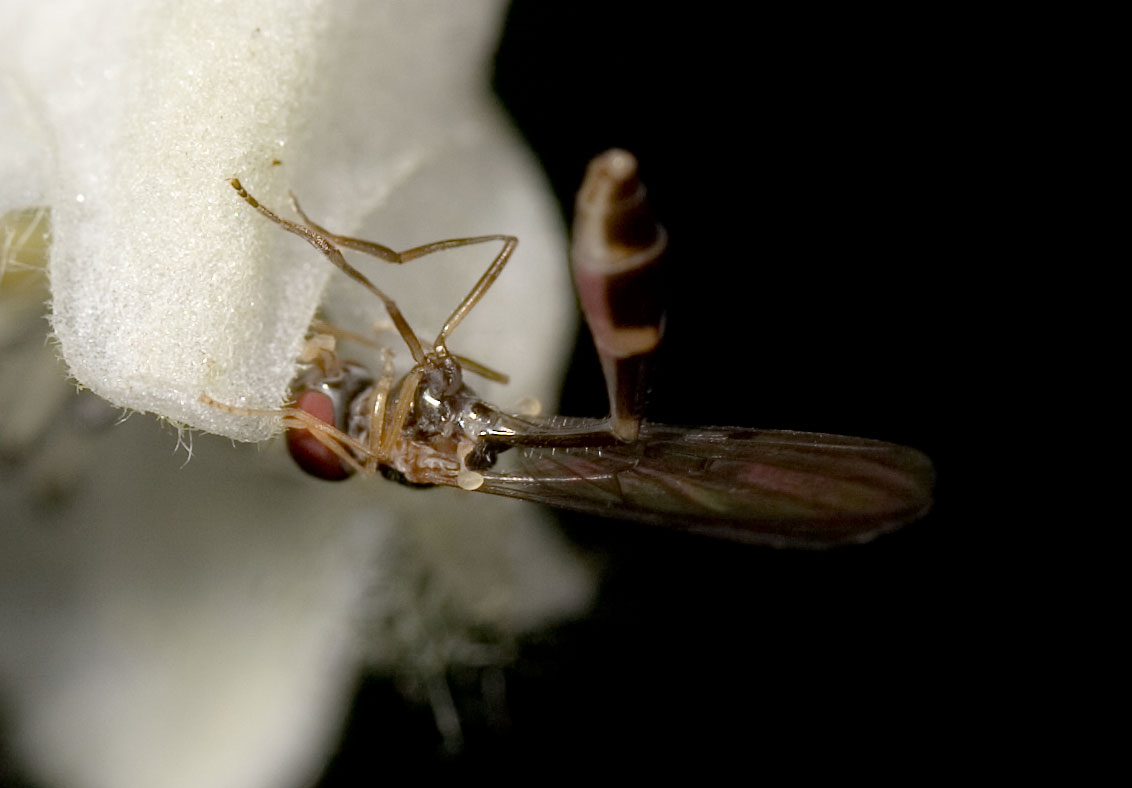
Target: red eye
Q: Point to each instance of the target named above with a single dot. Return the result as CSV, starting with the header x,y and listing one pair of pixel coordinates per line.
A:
x,y
307,451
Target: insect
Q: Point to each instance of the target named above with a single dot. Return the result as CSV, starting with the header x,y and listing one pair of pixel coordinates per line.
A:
x,y
774,487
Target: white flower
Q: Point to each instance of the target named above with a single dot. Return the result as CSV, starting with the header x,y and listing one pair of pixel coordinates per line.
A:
x,y
203,625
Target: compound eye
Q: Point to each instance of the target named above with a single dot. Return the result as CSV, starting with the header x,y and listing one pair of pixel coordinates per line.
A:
x,y
306,450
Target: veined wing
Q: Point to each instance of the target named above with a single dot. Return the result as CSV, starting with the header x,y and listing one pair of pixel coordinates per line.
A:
x,y
773,487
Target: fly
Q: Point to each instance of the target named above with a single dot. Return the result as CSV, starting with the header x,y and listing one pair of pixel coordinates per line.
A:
x,y
774,487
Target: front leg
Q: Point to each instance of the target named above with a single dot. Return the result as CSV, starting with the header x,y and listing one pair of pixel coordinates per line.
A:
x,y
323,450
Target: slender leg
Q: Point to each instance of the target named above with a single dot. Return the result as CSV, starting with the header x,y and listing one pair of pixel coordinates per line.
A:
x,y
468,364
322,327
405,398
325,241
329,436
324,245
391,256
378,407
485,282
383,252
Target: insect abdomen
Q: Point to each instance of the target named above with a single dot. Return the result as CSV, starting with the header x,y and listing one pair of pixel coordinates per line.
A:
x,y
616,255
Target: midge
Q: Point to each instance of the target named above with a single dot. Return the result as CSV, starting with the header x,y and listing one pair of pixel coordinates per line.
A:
x,y
773,487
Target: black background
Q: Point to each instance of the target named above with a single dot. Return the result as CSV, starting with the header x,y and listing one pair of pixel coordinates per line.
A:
x,y
806,166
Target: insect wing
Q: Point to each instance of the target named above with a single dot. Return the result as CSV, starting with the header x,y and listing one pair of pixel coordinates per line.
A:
x,y
771,487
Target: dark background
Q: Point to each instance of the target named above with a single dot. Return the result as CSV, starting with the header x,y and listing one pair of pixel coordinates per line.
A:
x,y
807,167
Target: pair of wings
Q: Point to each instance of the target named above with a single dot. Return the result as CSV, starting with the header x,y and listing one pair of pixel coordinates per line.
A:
x,y
773,487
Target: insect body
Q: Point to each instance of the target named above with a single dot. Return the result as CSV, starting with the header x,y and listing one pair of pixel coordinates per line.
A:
x,y
429,428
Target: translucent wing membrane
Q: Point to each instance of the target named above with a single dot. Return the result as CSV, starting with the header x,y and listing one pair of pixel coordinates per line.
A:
x,y
773,487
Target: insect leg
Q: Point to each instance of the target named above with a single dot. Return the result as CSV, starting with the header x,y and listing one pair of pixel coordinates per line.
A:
x,y
387,254
615,256
383,252
294,419
322,242
481,287
468,364
405,398
377,407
